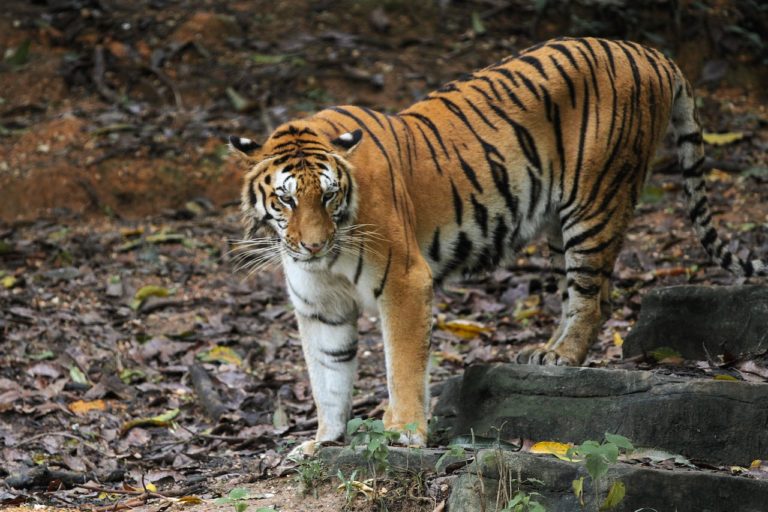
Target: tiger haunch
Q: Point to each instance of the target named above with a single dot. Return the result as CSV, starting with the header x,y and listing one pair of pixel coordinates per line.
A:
x,y
366,210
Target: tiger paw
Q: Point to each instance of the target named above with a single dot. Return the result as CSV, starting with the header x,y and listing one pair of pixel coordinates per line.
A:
x,y
542,356
304,450
411,434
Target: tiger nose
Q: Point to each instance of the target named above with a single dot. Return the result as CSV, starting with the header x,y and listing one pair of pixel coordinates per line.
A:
x,y
314,248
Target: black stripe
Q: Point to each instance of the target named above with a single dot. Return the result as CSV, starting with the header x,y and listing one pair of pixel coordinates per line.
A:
x,y
431,151
492,85
565,51
589,233
481,214
695,170
343,355
699,208
693,138
597,248
468,171
427,121
533,61
458,205
461,251
323,319
480,113
609,54
378,145
499,233
434,247
587,291
748,268
298,295
727,260
373,116
379,289
709,237
510,93
533,200
529,85
580,155
359,268
590,271
568,81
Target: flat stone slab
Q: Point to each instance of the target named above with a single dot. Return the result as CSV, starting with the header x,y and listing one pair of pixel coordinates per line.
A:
x,y
647,489
691,319
721,422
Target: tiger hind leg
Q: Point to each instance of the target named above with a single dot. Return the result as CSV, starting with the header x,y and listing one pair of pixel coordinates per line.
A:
x,y
588,264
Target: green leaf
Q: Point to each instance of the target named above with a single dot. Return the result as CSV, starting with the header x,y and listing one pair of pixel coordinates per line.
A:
x,y
77,375
238,493
661,353
578,489
240,507
615,495
620,441
148,291
477,24
610,451
40,356
596,466
353,425
20,56
239,103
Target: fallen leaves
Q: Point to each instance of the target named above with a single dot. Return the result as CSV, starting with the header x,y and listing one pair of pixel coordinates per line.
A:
x,y
464,329
722,139
555,448
82,407
161,420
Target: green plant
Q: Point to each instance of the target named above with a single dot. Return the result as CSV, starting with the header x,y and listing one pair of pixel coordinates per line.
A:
x,y
597,459
372,435
310,473
523,501
237,497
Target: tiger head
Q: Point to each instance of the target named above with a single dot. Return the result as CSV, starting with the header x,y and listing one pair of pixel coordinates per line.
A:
x,y
299,188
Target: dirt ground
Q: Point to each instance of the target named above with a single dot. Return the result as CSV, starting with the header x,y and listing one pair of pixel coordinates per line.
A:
x,y
114,178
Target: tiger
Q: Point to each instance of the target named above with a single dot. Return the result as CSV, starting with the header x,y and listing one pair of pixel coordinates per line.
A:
x,y
368,210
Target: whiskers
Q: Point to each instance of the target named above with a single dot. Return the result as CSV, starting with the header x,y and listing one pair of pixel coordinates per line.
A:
x,y
356,237
253,255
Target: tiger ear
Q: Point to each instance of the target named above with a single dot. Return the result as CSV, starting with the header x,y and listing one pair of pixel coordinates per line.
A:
x,y
243,148
348,141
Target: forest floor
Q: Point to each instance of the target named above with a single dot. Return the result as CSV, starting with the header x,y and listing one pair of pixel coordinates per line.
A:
x,y
118,291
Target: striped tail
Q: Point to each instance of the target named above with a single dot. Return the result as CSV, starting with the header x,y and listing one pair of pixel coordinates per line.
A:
x,y
690,156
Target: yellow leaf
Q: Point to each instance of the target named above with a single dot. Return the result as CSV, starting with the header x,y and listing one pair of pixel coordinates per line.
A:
x,y
738,469
361,487
755,464
724,376
146,292
221,354
615,495
719,176
161,420
554,448
578,490
191,500
9,282
464,329
617,339
721,139
129,232
81,407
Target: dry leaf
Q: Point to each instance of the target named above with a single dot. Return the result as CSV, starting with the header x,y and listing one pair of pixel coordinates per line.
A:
x,y
553,448
464,329
721,139
81,407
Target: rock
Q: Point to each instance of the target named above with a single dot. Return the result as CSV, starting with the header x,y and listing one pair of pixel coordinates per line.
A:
x,y
400,459
646,489
731,319
710,420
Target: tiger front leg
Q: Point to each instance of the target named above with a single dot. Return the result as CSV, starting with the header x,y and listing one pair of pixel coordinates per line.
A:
x,y
406,315
328,330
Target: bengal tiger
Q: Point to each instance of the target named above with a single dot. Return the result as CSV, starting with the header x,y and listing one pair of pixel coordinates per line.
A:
x,y
366,209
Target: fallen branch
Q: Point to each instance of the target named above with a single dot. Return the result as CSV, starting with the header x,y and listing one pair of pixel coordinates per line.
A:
x,y
41,477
